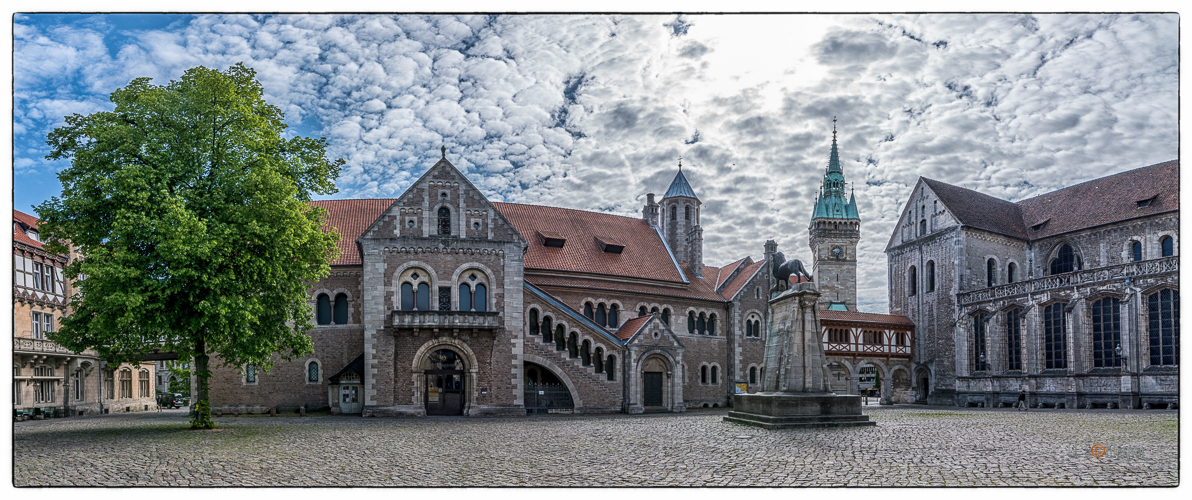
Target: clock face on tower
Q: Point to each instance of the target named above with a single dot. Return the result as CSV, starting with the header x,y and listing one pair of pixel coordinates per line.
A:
x,y
836,251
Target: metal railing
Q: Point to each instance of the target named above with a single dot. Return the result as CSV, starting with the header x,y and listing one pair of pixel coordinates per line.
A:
x,y
445,319
1074,278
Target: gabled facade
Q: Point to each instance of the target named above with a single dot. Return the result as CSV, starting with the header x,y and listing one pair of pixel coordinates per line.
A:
x,y
1040,294
447,303
48,379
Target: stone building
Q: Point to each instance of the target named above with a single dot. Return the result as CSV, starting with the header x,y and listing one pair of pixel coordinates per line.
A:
x,y
48,378
1072,296
855,343
444,302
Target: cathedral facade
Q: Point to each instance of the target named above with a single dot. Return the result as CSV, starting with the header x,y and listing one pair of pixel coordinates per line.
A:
x,y
446,303
1072,296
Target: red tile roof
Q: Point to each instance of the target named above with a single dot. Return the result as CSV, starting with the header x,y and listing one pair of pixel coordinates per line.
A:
x,y
742,278
700,290
18,234
644,256
1088,204
631,327
829,315
726,271
1102,201
351,218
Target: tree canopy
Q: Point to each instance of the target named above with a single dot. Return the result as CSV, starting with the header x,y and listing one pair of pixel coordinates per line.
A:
x,y
188,207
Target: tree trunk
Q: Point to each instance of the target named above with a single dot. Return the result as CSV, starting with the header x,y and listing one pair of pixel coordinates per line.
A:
x,y
201,418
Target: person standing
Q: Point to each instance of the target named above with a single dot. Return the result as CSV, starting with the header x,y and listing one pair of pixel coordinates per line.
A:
x,y
1022,401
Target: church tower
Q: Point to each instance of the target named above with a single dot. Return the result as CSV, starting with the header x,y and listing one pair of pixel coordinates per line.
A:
x,y
834,233
680,223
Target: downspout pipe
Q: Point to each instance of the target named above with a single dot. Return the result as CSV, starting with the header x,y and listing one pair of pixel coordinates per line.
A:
x,y
1136,294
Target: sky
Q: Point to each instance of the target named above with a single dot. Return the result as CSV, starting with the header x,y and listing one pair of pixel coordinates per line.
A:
x,y
593,112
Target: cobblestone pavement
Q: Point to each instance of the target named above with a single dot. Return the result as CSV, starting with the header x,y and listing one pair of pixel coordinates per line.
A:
x,y
910,446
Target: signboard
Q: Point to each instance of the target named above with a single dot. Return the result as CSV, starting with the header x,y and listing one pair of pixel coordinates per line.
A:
x,y
432,394
742,386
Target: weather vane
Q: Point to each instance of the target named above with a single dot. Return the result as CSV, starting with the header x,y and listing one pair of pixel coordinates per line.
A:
x,y
680,163
833,127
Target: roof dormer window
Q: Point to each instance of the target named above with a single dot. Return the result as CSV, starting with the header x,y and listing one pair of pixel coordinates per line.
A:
x,y
1147,201
33,234
1039,226
609,245
552,240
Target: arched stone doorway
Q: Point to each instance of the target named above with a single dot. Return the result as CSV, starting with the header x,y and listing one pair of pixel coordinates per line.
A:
x,y
656,380
922,385
544,391
445,385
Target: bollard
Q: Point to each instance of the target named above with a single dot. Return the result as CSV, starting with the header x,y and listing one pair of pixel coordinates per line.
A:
x,y
272,411
302,411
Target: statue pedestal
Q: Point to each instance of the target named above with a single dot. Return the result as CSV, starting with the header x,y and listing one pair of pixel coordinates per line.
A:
x,y
784,410
795,391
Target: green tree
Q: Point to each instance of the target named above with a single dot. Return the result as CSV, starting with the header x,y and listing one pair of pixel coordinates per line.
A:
x,y
180,381
188,207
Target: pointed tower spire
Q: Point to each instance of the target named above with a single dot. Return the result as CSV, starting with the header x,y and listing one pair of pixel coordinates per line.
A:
x,y
834,158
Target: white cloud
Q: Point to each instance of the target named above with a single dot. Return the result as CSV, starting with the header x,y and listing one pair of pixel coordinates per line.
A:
x,y
593,111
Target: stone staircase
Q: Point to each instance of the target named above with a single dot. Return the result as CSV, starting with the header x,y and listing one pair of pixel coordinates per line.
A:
x,y
581,376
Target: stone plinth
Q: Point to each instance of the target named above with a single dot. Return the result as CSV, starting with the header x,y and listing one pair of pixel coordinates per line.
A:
x,y
795,383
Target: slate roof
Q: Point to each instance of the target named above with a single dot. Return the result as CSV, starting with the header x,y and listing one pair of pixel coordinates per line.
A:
x,y
644,256
351,218
864,317
631,327
680,187
1093,203
1102,201
20,218
980,210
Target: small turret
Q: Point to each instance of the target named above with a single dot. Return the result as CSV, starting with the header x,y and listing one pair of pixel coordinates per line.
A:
x,y
679,216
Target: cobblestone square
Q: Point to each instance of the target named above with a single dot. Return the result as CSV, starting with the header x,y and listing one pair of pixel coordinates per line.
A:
x,y
910,446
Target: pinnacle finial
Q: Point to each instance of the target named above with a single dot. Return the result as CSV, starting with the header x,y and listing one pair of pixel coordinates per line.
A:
x,y
833,127
444,150
680,163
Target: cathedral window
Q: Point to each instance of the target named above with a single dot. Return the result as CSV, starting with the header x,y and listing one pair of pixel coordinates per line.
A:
x,y
324,309
979,361
1013,341
1163,327
585,353
1055,346
703,374
312,371
444,221
701,324
250,374
407,297
752,374
613,313
423,297
1010,272
690,322
715,377
546,329
610,367
990,270
588,312
930,276
340,316
912,282
687,212
922,227
674,212
601,315
598,359
560,338
1168,246
1136,251
1065,261
666,317
534,326
712,325
1107,330
641,311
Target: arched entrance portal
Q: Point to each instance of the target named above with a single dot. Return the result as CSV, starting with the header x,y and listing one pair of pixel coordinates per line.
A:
x,y
544,391
444,385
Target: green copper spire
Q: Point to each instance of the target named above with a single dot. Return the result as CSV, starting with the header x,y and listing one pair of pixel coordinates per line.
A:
x,y
831,202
